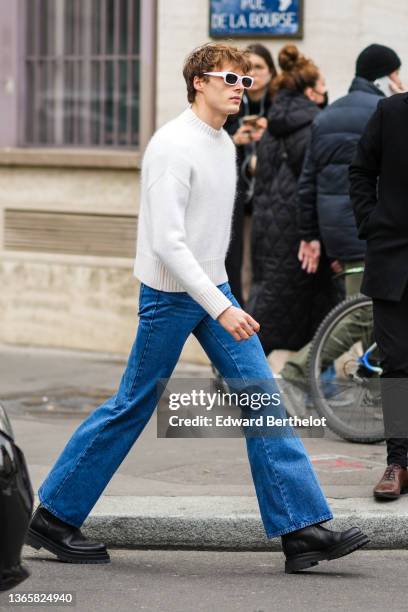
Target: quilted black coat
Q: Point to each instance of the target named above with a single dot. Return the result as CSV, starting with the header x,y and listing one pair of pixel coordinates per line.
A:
x,y
286,301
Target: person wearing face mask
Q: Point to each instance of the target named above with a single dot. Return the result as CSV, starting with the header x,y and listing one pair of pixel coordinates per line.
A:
x,y
288,303
246,129
325,211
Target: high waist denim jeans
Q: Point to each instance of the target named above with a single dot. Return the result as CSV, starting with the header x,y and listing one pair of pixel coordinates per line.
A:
x,y
288,492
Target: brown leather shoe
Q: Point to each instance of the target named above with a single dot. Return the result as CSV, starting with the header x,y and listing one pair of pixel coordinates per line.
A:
x,y
393,482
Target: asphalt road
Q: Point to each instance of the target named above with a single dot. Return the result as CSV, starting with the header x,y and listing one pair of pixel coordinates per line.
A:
x,y
187,581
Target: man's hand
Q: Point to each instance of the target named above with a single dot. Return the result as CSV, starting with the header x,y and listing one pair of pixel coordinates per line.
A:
x,y
309,255
396,85
238,323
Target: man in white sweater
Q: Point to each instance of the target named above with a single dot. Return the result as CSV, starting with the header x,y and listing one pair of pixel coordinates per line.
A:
x,y
187,198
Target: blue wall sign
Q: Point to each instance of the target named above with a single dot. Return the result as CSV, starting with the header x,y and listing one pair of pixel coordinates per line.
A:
x,y
253,18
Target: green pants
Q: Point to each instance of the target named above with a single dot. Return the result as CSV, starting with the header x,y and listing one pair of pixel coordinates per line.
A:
x,y
296,368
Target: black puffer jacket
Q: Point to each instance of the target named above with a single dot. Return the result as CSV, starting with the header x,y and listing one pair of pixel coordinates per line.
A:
x,y
324,202
286,301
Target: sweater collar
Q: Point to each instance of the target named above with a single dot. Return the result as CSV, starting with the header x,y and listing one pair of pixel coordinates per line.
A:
x,y
201,125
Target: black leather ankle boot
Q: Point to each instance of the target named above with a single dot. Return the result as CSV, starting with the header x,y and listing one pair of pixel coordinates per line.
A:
x,y
306,547
64,540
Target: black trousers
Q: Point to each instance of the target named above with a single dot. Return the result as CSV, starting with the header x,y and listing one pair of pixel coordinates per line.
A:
x,y
391,335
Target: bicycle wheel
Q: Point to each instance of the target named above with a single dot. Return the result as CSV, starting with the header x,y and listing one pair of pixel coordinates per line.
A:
x,y
344,372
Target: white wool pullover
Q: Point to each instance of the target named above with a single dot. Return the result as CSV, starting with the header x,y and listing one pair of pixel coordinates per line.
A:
x,y
188,183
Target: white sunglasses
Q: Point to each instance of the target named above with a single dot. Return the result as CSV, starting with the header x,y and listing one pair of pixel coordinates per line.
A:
x,y
230,78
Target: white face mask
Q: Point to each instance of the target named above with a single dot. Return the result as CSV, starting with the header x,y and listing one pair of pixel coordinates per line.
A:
x,y
383,85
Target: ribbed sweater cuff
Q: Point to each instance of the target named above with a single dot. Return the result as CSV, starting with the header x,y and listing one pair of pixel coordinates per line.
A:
x,y
213,301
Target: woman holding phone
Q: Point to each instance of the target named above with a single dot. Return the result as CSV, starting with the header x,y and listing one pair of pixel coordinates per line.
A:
x,y
246,129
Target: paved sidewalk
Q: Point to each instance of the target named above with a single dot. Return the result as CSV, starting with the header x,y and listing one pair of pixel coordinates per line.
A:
x,y
176,492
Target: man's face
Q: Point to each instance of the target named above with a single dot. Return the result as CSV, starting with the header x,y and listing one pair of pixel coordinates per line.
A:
x,y
219,96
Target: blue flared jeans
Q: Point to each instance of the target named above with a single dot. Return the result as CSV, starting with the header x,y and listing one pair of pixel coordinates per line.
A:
x,y
288,491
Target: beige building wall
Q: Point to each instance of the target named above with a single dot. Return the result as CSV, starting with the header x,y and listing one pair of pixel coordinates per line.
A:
x,y
75,301
334,33
70,301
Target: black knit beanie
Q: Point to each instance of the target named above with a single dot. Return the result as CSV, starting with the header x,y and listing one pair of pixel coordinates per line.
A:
x,y
376,61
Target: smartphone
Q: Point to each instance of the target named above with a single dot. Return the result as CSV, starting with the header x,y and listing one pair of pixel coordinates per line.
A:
x,y
384,85
250,120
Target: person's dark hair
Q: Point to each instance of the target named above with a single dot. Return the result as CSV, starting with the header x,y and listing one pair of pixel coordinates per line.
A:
x,y
209,57
298,71
262,51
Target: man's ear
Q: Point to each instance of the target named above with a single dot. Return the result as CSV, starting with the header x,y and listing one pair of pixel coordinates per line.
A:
x,y
198,83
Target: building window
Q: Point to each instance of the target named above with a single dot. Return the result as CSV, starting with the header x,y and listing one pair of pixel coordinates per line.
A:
x,y
82,68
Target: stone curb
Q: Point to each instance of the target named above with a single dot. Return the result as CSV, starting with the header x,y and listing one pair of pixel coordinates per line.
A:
x,y
230,523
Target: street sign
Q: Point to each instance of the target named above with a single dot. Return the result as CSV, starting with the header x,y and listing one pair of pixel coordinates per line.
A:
x,y
256,18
